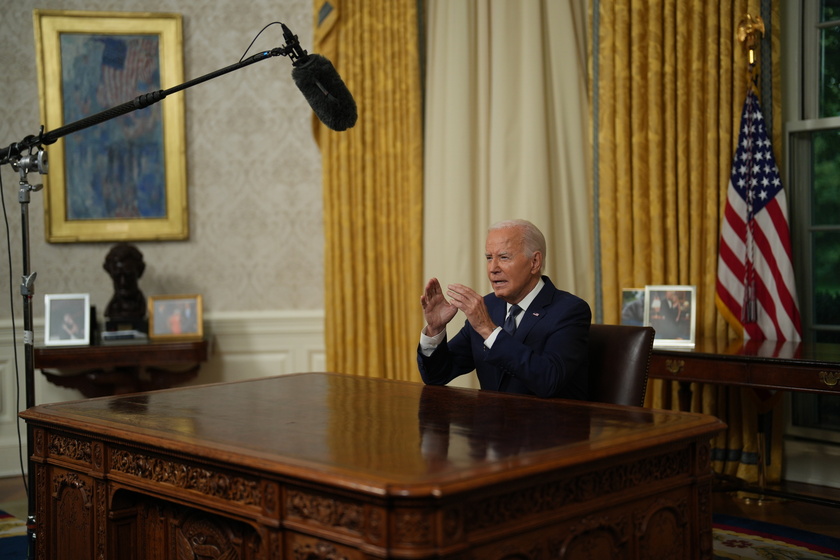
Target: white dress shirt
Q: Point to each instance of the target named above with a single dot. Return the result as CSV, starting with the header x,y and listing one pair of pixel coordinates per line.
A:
x,y
429,343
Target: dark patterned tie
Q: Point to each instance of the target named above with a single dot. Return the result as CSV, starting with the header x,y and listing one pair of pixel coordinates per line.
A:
x,y
510,322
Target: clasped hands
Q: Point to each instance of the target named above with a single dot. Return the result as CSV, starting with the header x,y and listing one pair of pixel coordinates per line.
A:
x,y
438,311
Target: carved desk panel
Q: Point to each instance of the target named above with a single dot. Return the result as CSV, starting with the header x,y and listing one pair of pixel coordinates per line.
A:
x,y
327,466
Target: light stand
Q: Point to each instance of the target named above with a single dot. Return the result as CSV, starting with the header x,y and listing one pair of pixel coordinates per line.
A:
x,y
29,155
36,161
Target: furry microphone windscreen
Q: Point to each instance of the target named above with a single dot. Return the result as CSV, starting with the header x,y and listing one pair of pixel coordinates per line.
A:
x,y
325,91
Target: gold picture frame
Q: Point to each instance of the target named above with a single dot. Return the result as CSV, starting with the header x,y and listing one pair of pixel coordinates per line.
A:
x,y
123,179
175,317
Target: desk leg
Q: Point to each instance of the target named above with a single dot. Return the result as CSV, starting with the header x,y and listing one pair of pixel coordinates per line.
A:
x,y
764,435
685,396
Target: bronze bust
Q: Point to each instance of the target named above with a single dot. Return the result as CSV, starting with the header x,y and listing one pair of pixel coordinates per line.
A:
x,y
124,263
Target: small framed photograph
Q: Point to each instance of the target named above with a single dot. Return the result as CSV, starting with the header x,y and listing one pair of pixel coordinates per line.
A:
x,y
67,319
633,306
670,311
175,317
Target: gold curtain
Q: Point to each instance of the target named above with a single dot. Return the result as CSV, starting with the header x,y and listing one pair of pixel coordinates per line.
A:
x,y
671,83
372,183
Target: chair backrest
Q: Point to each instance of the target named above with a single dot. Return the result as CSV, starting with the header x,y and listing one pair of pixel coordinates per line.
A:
x,y
619,359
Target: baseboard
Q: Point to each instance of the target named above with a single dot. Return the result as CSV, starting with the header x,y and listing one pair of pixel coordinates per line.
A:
x,y
811,462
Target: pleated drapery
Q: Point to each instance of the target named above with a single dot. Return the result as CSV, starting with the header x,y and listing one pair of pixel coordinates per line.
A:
x,y
669,84
671,79
372,186
507,136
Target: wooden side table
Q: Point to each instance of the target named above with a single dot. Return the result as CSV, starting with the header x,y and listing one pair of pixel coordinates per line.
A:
x,y
786,366
777,366
114,369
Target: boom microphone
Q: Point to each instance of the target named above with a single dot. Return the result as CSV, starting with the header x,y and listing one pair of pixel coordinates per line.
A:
x,y
321,86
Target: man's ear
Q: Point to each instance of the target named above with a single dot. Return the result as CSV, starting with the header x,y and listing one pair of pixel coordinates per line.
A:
x,y
536,262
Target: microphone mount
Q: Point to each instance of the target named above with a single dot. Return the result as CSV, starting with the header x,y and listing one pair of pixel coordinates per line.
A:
x,y
292,47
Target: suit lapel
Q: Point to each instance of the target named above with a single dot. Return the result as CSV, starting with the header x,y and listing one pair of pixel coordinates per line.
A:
x,y
536,310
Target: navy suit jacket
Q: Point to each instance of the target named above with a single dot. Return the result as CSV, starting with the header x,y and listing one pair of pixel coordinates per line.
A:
x,y
547,356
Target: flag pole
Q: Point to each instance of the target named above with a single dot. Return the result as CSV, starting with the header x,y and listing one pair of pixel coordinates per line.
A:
x,y
750,32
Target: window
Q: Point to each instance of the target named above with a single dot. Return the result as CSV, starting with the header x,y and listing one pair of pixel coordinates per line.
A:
x,y
811,104
812,109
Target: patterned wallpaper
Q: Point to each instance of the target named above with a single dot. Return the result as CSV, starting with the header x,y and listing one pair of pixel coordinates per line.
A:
x,y
253,168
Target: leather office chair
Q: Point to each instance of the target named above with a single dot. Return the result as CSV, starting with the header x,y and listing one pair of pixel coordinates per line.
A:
x,y
619,359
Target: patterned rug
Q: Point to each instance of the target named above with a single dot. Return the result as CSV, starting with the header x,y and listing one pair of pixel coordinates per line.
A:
x,y
736,538
12,537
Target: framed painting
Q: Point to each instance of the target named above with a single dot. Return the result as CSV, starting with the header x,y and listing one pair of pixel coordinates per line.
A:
x,y
178,316
670,311
67,319
123,179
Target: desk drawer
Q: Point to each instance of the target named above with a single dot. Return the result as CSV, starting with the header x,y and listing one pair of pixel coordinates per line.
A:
x,y
755,374
793,378
690,368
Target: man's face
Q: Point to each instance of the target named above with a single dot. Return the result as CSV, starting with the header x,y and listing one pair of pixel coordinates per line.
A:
x,y
512,274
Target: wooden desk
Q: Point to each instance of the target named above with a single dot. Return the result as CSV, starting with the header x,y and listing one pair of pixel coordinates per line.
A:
x,y
326,466
112,369
790,366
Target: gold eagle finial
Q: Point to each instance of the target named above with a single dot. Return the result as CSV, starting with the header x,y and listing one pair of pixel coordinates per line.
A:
x,y
750,32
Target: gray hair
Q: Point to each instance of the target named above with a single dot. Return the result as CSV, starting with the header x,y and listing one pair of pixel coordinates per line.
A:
x,y
532,238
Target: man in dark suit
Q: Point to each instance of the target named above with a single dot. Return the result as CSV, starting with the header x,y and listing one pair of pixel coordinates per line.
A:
x,y
546,354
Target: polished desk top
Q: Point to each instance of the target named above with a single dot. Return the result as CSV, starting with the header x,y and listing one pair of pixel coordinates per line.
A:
x,y
788,366
759,351
373,435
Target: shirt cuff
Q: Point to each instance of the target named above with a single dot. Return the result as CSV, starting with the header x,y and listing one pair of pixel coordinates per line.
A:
x,y
428,344
488,342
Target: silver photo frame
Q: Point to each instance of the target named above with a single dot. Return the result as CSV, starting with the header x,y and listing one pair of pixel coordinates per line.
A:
x,y
67,321
670,310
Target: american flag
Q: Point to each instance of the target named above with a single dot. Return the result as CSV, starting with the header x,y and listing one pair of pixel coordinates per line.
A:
x,y
756,291
129,68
